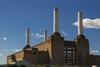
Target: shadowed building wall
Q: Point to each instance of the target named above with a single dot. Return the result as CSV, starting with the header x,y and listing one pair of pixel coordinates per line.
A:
x,y
55,47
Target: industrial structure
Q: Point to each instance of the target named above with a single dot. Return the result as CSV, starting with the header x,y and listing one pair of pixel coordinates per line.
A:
x,y
56,50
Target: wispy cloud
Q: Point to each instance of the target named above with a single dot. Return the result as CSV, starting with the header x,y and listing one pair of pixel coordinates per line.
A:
x,y
38,35
1,54
94,51
15,50
12,50
4,38
64,33
90,23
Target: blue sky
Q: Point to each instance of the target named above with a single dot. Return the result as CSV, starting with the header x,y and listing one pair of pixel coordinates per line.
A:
x,y
17,15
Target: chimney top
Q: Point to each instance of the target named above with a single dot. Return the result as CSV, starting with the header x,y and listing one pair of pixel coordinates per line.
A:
x,y
55,8
27,38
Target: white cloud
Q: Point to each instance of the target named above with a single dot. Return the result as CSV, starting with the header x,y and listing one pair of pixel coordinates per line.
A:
x,y
94,51
4,38
38,35
90,23
64,33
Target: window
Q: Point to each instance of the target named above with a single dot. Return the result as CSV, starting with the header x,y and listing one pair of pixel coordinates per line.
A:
x,y
69,51
34,52
69,48
73,51
13,58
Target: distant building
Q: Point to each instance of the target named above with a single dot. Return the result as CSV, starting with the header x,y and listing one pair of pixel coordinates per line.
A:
x,y
55,50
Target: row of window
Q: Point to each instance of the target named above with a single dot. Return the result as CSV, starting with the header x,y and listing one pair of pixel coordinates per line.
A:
x,y
70,55
70,48
69,51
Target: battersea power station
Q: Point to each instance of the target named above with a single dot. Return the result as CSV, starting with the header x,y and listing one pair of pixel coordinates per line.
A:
x,y
55,49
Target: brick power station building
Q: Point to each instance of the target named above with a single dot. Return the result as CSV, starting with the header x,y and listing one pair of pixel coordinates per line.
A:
x,y
56,50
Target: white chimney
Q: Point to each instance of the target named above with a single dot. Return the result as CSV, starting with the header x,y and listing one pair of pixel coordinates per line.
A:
x,y
94,65
27,37
55,20
45,35
80,24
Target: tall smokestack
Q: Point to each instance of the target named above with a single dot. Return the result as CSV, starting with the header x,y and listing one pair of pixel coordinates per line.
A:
x,y
55,20
80,24
27,37
45,35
